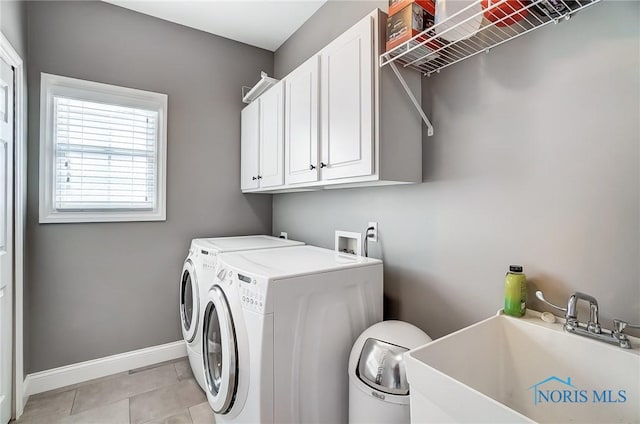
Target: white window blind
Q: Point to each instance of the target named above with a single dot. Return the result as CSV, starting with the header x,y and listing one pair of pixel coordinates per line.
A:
x,y
103,152
105,156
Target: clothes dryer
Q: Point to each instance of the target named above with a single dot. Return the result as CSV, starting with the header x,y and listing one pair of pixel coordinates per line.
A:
x,y
196,279
278,328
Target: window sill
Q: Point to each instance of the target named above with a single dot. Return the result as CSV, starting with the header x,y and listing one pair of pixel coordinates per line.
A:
x,y
55,217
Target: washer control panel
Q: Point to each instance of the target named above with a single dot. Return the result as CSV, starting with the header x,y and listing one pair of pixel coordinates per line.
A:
x,y
208,260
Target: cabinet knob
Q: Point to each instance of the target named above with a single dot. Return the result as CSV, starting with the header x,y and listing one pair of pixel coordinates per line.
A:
x,y
323,165
259,177
312,167
253,178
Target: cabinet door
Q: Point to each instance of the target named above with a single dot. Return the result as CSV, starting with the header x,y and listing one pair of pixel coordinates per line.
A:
x,y
301,123
346,83
249,146
272,137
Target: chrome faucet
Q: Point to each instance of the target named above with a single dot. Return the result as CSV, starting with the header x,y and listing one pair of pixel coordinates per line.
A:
x,y
572,312
618,328
592,328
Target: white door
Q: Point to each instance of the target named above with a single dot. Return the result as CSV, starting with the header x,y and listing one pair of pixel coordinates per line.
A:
x,y
272,137
301,123
6,239
346,84
249,146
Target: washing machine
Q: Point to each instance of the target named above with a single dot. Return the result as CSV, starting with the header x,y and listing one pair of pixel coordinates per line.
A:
x,y
278,328
196,279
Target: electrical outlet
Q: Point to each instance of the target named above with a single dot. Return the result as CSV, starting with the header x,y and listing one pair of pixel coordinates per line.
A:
x,y
373,234
284,235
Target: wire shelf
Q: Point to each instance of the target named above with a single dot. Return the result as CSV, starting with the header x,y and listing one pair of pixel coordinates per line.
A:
x,y
474,29
249,94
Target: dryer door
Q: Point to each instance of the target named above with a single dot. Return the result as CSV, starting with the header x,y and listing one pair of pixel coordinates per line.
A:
x,y
189,301
220,352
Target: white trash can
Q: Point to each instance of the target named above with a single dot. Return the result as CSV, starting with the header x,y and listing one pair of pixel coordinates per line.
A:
x,y
378,387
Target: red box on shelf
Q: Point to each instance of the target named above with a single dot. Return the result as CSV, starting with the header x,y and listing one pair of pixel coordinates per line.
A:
x,y
397,5
409,22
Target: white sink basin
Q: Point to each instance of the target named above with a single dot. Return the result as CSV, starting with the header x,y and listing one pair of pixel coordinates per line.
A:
x,y
506,369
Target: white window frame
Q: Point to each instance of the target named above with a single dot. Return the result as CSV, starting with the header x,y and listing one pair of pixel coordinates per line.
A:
x,y
55,85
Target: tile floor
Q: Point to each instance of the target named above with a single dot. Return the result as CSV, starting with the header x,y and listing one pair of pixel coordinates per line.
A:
x,y
162,393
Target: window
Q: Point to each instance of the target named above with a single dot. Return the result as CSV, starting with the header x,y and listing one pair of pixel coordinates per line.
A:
x,y
102,152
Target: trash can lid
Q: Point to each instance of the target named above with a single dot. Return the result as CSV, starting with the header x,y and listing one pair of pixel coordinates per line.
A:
x,y
381,367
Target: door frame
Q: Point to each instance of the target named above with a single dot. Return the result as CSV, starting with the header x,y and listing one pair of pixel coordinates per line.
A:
x,y
11,56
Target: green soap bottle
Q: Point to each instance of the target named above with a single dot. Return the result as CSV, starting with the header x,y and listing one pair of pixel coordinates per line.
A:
x,y
515,292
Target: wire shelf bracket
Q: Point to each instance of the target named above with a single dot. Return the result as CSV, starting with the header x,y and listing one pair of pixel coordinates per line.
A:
x,y
413,98
475,29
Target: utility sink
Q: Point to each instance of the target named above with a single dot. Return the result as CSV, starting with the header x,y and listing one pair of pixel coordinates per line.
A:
x,y
506,369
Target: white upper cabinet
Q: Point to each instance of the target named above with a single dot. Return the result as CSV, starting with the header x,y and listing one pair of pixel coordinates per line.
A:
x,y
262,141
345,122
250,146
346,82
271,137
301,123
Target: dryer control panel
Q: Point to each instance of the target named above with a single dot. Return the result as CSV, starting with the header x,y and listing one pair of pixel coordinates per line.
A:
x,y
251,291
252,295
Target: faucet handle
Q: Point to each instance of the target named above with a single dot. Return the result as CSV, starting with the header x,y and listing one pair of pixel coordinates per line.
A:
x,y
540,297
619,325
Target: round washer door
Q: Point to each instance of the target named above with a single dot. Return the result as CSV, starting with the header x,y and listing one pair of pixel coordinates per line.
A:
x,y
189,301
219,352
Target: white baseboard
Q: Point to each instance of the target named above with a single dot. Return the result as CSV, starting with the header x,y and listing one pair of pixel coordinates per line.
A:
x,y
84,371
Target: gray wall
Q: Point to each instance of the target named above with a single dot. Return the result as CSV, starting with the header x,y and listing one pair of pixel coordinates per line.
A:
x,y
101,289
535,160
13,23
